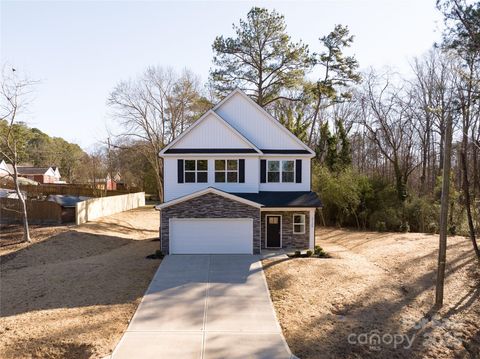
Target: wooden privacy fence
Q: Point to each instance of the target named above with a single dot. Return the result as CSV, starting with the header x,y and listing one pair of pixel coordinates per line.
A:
x,y
39,212
66,189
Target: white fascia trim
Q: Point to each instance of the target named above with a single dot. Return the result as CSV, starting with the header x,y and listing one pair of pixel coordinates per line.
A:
x,y
287,209
205,191
272,119
210,155
311,221
283,155
196,123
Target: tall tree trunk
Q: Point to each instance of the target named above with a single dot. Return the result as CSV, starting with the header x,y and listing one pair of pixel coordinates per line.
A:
x,y
467,199
476,168
159,178
442,251
442,149
26,230
314,120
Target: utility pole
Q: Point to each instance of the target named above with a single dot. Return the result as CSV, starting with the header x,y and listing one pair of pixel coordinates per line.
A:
x,y
109,159
442,251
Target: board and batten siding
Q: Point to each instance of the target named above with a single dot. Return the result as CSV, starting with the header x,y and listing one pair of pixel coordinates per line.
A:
x,y
173,189
255,125
211,133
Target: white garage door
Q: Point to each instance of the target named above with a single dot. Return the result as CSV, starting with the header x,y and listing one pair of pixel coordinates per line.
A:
x,y
211,236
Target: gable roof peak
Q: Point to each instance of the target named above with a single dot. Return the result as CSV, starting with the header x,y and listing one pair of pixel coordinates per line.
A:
x,y
265,113
203,118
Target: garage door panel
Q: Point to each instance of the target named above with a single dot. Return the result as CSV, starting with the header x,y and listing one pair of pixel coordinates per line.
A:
x,y
211,236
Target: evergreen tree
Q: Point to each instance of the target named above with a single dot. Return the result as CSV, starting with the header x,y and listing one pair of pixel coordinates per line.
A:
x,y
339,71
262,59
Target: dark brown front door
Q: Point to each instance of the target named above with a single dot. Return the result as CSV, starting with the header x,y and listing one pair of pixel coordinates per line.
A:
x,y
273,231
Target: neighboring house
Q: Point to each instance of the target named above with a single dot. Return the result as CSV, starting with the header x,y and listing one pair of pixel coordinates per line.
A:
x,y
237,181
107,183
6,169
57,175
38,174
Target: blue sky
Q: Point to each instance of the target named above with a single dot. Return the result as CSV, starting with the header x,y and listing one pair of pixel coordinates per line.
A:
x,y
81,50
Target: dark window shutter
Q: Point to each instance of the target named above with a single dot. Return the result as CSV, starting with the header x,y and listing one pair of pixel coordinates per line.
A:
x,y
180,171
263,171
241,171
298,171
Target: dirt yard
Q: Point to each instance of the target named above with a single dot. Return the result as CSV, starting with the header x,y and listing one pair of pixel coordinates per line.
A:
x,y
71,294
373,298
11,236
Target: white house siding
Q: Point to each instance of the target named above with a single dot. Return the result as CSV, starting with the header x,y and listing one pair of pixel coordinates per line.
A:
x,y
303,186
173,189
211,133
252,184
255,125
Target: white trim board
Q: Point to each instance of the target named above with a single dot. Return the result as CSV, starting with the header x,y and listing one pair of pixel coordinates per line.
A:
x,y
286,209
312,228
205,191
210,155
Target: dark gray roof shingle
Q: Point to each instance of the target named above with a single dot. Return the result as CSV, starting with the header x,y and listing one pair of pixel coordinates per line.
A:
x,y
284,199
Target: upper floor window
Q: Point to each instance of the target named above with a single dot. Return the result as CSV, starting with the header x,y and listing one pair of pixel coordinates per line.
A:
x,y
196,171
226,171
281,171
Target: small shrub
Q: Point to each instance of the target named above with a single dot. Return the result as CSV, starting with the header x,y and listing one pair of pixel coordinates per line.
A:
x,y
297,253
309,253
404,227
381,226
322,254
318,249
432,228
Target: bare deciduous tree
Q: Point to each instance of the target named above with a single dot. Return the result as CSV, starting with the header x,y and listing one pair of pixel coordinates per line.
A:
x,y
14,98
154,109
389,124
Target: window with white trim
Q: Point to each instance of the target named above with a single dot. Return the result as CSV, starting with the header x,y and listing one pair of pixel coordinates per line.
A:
x,y
226,171
196,171
281,171
298,223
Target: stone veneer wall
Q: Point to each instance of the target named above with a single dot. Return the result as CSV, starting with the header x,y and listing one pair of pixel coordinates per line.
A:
x,y
209,205
289,240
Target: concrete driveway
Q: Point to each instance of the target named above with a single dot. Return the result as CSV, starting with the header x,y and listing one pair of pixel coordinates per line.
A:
x,y
205,306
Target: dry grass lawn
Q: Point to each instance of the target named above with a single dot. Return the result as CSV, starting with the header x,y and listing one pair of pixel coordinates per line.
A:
x,y
71,295
378,284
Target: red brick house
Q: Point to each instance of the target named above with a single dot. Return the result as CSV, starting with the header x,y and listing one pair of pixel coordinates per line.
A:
x,y
39,174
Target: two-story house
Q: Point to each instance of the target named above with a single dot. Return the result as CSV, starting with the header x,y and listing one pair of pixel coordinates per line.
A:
x,y
38,174
236,181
